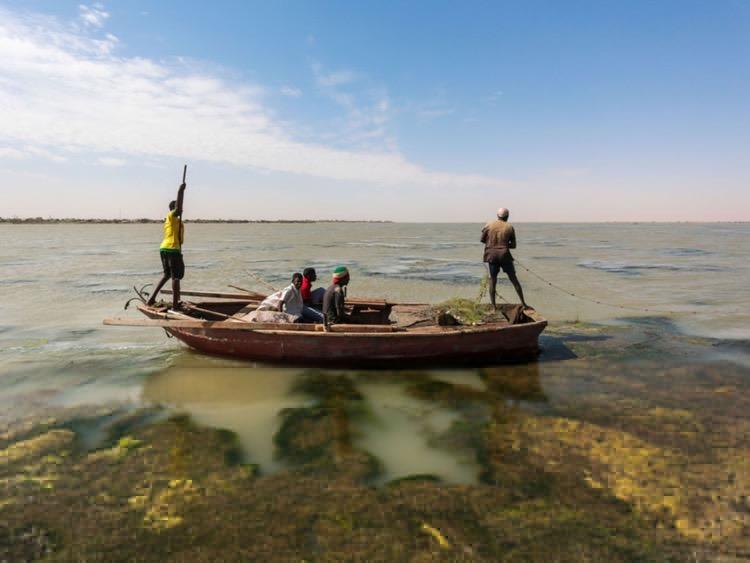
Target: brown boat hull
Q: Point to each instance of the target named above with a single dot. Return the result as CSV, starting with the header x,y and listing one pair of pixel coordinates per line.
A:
x,y
444,346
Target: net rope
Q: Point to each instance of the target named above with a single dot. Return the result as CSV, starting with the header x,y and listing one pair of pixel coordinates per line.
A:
x,y
599,301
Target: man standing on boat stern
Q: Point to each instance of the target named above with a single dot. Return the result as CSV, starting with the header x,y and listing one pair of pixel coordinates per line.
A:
x,y
498,238
171,250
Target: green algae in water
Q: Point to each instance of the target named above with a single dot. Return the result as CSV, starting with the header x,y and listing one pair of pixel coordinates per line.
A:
x,y
420,477
149,508
580,463
327,386
128,443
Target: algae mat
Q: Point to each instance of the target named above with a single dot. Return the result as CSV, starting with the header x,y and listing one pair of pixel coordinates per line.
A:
x,y
593,454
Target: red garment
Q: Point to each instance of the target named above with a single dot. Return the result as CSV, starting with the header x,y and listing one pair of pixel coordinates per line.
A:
x,y
305,290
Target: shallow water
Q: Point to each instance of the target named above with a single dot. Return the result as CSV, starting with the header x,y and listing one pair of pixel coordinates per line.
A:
x,y
401,433
58,282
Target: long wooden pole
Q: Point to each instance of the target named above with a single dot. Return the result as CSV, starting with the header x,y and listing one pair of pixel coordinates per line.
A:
x,y
220,295
208,311
250,297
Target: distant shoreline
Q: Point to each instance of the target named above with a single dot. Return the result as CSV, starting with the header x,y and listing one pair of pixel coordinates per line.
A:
x,y
142,221
73,221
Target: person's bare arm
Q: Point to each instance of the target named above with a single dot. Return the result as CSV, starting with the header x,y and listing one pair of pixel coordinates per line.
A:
x,y
286,297
339,304
512,239
180,198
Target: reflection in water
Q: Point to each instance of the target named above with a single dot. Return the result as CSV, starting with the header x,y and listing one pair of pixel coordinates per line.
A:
x,y
458,377
402,433
244,400
415,423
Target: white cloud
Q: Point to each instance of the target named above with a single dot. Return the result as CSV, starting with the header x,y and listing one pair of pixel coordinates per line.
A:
x,y
10,153
434,112
29,151
330,79
63,91
434,108
368,108
93,15
291,92
111,161
49,153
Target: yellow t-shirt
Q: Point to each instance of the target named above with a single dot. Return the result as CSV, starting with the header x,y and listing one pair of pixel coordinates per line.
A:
x,y
174,233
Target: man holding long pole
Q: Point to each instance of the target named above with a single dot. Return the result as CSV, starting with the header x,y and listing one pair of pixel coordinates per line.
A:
x,y
171,247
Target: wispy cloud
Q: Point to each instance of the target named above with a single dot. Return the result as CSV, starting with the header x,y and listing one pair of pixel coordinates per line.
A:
x,y
431,112
93,15
10,153
22,152
494,97
290,92
111,161
435,107
332,79
367,107
63,90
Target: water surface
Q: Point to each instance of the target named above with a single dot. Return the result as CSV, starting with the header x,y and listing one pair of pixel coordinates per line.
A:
x,y
59,281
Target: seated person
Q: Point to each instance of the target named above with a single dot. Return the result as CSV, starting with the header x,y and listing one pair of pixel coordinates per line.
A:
x,y
311,297
335,295
289,301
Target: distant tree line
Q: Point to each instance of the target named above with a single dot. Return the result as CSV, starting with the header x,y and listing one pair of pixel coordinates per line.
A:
x,y
52,220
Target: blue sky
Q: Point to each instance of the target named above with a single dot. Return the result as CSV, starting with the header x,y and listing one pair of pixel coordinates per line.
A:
x,y
411,111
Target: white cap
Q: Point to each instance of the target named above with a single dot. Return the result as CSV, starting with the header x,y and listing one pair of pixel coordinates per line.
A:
x,y
503,213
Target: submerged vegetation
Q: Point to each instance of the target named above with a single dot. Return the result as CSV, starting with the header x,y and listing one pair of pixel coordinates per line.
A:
x,y
632,469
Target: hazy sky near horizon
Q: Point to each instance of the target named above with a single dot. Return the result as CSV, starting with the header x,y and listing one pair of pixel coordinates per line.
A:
x,y
407,111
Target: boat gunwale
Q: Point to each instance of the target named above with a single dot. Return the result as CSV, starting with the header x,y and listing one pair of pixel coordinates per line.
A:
x,y
397,332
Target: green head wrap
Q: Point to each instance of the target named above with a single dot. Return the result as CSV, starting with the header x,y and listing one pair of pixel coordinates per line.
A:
x,y
340,273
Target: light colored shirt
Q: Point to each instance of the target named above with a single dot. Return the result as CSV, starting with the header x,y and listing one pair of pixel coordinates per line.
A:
x,y
288,300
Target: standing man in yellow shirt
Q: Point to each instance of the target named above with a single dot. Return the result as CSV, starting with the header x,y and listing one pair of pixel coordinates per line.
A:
x,y
171,249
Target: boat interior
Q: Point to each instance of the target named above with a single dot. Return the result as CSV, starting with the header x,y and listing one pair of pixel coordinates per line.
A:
x,y
359,312
366,313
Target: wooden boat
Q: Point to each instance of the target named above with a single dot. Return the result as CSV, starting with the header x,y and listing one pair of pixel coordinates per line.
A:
x,y
380,334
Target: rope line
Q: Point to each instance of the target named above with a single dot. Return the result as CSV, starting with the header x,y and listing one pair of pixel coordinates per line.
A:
x,y
600,302
260,280
483,288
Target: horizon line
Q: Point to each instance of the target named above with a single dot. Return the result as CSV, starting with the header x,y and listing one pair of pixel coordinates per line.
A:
x,y
148,220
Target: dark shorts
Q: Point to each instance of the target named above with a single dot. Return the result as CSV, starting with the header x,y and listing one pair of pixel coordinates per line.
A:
x,y
505,264
173,265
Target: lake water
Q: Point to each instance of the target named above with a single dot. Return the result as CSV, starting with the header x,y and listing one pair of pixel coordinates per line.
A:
x,y
672,282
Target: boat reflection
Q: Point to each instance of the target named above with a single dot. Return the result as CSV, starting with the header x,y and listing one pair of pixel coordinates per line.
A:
x,y
242,399
413,423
